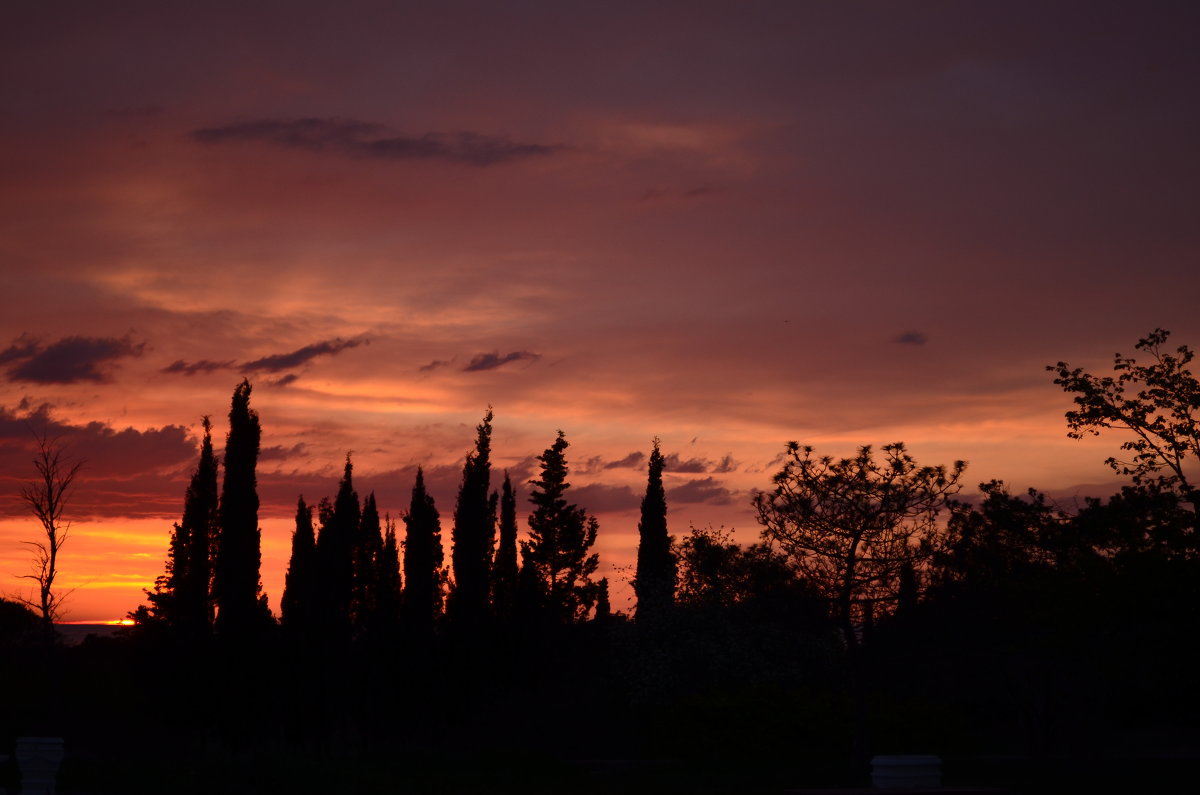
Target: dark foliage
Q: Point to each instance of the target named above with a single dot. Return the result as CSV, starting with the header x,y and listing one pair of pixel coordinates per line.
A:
x,y
556,561
237,591
300,604
182,596
1161,415
504,568
388,584
424,574
368,551
474,535
336,543
654,582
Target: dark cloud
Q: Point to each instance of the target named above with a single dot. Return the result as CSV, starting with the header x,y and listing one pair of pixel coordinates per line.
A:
x,y
602,498
23,347
179,366
707,490
68,361
279,452
366,139
726,465
910,338
284,361
126,472
631,461
490,361
434,365
290,378
689,466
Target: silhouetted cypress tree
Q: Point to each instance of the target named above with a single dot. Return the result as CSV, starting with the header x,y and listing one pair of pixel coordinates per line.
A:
x,y
367,550
474,534
236,586
200,523
603,605
335,551
300,596
387,596
556,557
654,581
423,558
180,597
504,570
164,601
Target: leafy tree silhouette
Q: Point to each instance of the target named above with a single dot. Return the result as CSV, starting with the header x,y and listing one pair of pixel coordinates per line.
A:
x,y
474,535
237,590
1163,414
849,525
556,562
654,581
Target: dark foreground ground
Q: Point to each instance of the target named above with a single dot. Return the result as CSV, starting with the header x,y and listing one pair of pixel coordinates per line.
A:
x,y
403,771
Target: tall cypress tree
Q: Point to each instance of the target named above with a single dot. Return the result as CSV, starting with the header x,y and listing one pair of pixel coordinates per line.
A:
x,y
299,601
474,533
654,581
368,548
504,570
557,558
387,596
335,551
180,598
236,586
200,523
423,559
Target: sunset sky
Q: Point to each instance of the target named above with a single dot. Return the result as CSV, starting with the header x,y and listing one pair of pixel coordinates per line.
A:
x,y
729,225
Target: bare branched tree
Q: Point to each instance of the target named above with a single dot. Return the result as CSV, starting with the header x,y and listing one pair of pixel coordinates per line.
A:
x,y
47,498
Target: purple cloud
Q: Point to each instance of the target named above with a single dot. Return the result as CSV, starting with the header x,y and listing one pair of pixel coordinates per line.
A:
x,y
68,361
356,138
490,361
285,361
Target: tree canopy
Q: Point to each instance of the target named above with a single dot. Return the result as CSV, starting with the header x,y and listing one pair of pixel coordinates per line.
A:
x,y
851,524
1158,402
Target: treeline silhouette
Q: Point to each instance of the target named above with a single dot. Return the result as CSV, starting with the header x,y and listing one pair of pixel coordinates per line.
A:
x,y
969,625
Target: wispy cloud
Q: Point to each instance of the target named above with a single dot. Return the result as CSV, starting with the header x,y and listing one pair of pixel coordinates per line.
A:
x,y
69,360
285,361
180,367
910,338
355,138
674,463
274,363
490,361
